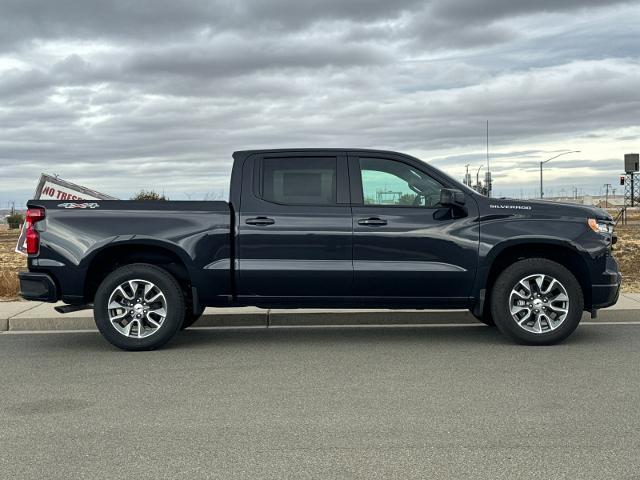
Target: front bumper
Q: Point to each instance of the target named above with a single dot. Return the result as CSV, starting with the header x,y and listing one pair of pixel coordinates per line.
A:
x,y
606,293
37,286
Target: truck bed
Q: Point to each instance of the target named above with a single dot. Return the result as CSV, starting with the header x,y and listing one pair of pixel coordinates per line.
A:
x,y
85,234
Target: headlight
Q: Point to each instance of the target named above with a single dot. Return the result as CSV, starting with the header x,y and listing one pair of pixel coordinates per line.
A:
x,y
600,227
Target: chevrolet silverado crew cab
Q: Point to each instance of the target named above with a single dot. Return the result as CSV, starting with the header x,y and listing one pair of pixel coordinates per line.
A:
x,y
323,228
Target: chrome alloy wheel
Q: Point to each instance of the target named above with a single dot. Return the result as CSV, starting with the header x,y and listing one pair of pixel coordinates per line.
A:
x,y
539,303
137,308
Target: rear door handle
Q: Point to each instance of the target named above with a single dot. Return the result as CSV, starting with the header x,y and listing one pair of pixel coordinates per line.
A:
x,y
372,222
260,221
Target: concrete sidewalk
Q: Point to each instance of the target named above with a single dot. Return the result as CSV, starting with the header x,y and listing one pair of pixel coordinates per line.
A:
x,y
35,316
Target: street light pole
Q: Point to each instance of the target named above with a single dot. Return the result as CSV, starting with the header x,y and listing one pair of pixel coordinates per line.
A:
x,y
478,178
548,160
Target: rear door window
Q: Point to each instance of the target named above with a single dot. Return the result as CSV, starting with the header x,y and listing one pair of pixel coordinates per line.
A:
x,y
299,181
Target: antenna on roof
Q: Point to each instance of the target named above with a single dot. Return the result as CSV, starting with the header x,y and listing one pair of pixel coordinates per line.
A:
x,y
488,180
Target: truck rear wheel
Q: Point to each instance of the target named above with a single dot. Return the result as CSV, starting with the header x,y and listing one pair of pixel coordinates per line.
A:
x,y
537,302
139,307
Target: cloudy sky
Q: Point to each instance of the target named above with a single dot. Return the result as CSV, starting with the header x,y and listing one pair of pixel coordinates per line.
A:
x,y
123,95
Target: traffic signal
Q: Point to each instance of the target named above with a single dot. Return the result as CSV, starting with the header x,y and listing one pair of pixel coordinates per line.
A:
x,y
622,178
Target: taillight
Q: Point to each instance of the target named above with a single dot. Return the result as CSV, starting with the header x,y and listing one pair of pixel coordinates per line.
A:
x,y
34,215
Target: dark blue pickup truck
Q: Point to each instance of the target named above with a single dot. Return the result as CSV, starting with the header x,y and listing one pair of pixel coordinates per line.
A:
x,y
323,228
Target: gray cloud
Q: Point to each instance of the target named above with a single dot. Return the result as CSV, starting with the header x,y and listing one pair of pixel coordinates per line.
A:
x,y
496,9
125,95
27,20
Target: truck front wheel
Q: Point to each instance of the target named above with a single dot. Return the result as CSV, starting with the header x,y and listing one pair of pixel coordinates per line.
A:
x,y
537,302
139,307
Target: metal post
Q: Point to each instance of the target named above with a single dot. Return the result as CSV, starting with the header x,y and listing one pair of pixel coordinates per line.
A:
x,y
541,192
488,164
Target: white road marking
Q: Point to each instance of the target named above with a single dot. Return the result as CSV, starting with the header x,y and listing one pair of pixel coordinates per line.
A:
x,y
610,323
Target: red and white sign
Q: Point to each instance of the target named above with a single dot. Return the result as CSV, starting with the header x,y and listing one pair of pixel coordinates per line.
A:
x,y
53,191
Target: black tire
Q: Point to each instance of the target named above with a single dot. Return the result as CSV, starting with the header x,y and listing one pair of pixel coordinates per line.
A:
x,y
507,281
175,306
190,317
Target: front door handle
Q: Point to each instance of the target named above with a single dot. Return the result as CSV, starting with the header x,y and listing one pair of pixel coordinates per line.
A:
x,y
372,222
260,221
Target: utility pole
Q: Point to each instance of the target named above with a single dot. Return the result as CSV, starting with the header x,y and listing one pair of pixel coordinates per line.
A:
x,y
606,195
478,179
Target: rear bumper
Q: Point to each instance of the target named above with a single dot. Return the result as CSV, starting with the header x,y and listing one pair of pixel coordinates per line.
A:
x,y
37,286
606,294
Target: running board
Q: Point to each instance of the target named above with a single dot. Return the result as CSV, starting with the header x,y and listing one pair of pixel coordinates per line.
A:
x,y
72,308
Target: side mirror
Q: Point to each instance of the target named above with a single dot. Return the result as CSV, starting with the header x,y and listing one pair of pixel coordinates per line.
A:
x,y
450,197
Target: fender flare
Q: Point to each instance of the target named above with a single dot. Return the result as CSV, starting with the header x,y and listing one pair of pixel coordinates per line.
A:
x,y
134,241
486,261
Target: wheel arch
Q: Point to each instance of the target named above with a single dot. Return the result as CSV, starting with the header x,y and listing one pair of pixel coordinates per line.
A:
x,y
115,255
560,252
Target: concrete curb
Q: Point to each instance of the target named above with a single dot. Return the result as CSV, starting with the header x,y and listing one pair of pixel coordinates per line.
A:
x,y
28,324
33,316
9,310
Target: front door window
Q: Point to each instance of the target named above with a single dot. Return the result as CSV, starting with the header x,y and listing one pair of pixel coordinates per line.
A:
x,y
390,183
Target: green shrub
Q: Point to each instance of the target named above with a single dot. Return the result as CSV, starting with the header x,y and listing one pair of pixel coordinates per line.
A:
x,y
149,195
15,220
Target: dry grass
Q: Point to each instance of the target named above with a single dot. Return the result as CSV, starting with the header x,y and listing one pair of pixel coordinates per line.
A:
x,y
10,264
633,214
627,251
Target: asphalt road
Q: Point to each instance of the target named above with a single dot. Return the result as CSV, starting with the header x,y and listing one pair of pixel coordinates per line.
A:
x,y
418,402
